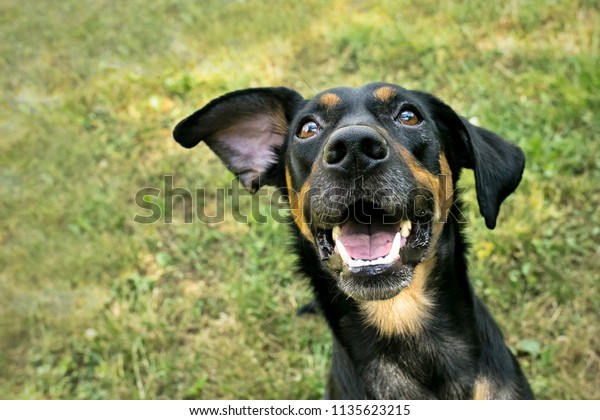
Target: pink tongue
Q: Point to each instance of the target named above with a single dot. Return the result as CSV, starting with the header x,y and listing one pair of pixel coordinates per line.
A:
x,y
367,241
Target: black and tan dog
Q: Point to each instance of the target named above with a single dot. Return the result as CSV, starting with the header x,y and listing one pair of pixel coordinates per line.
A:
x,y
370,174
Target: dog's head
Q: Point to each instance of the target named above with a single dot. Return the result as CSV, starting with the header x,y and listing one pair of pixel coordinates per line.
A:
x,y
369,172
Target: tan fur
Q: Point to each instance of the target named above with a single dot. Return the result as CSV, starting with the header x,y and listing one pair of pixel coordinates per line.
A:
x,y
329,100
440,185
445,189
406,313
482,389
297,206
280,124
384,93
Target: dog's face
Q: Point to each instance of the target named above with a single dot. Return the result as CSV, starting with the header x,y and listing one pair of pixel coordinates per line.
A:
x,y
369,172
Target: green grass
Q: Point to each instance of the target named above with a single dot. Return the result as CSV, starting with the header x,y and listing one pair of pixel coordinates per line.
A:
x,y
93,305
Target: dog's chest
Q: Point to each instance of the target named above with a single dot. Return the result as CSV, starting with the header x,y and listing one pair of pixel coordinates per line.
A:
x,y
378,369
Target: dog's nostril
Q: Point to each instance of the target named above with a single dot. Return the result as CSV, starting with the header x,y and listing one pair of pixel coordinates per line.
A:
x,y
335,152
373,148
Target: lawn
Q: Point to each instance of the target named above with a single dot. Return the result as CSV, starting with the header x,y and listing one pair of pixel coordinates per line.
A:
x,y
94,305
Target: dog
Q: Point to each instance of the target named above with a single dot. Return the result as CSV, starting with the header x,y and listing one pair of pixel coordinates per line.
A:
x,y
370,175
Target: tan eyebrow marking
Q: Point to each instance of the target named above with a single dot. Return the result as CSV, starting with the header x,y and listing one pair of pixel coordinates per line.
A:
x,y
329,100
384,93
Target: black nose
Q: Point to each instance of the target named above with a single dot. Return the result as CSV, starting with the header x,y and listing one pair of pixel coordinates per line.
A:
x,y
356,148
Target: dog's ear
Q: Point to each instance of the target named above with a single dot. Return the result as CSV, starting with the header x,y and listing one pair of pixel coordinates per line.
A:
x,y
244,128
498,167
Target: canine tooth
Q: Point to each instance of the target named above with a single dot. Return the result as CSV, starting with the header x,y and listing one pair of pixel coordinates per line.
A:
x,y
343,253
335,233
395,251
405,228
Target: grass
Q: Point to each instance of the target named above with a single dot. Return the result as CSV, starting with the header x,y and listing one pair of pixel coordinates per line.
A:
x,y
93,305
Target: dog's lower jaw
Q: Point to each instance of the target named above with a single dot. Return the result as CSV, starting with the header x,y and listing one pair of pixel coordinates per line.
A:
x,y
384,278
399,283
376,283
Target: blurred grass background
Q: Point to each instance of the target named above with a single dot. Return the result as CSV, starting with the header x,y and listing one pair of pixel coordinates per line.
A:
x,y
93,305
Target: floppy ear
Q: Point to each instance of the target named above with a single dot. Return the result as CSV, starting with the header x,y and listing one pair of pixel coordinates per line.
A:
x,y
498,167
244,128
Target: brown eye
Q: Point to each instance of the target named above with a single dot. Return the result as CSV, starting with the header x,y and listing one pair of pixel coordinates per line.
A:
x,y
308,130
408,117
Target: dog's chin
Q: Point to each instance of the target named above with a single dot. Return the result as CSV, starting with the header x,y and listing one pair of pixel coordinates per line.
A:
x,y
374,282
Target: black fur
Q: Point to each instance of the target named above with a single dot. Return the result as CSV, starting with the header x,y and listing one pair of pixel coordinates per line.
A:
x,y
458,352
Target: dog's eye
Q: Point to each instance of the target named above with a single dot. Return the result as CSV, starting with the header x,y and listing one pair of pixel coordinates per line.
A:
x,y
308,130
408,117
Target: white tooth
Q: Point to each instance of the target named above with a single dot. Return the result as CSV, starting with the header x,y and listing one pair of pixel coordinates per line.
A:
x,y
405,228
343,253
335,233
388,259
354,263
395,251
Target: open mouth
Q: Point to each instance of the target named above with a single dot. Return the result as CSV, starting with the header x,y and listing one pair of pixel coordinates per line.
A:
x,y
362,245
370,243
